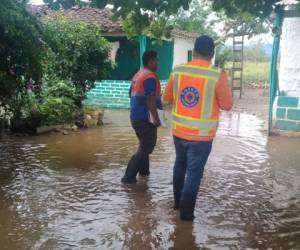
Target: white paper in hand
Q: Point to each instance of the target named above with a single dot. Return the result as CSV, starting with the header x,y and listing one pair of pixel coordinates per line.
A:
x,y
161,116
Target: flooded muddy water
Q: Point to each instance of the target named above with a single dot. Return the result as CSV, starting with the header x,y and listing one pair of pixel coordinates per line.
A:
x,y
64,192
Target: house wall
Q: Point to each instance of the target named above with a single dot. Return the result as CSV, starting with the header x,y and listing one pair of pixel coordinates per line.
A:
x,y
127,59
115,93
289,75
165,52
288,103
181,48
111,94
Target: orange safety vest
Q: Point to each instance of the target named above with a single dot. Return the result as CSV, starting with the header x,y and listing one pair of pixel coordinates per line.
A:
x,y
195,113
137,84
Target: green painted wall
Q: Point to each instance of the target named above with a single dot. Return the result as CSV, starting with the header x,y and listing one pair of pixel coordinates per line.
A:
x,y
288,113
114,93
165,52
127,59
111,94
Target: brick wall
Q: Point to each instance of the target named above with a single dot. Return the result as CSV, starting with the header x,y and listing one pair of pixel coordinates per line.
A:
x,y
110,94
288,113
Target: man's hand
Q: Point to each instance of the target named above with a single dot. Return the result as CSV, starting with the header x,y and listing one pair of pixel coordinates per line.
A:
x,y
156,122
151,105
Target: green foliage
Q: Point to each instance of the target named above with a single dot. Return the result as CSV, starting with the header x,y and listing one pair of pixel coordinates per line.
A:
x,y
223,56
78,54
20,50
134,24
246,17
196,19
160,27
57,110
53,86
201,18
170,7
254,8
66,56
244,24
55,104
25,106
25,112
141,17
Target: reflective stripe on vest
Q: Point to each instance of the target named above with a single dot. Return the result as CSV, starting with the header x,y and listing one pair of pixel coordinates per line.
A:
x,y
204,123
195,123
196,71
202,132
176,90
208,98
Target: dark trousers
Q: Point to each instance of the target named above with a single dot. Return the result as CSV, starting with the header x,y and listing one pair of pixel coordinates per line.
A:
x,y
191,157
147,135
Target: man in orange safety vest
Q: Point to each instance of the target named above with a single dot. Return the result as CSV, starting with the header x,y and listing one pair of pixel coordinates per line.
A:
x,y
145,101
198,91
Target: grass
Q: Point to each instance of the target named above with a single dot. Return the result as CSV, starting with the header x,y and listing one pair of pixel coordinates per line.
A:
x,y
257,72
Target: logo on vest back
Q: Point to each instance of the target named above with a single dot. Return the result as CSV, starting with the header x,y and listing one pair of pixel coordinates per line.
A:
x,y
189,97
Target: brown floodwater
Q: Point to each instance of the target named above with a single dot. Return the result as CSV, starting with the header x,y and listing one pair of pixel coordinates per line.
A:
x,y
64,191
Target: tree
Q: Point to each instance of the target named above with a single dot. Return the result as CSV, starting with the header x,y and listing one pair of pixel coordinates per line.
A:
x,y
196,19
77,53
21,47
246,17
223,56
251,8
141,17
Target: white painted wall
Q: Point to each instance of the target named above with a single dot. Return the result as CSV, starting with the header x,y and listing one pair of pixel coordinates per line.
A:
x,y
114,49
181,48
289,74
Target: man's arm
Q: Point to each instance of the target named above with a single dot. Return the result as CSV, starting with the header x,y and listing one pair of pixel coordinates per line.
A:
x,y
151,105
129,92
150,92
223,93
168,94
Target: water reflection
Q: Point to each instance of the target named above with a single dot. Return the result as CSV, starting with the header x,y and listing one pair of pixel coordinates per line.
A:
x,y
141,222
64,192
184,237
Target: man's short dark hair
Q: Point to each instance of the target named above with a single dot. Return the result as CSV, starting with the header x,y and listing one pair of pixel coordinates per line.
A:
x,y
204,46
148,56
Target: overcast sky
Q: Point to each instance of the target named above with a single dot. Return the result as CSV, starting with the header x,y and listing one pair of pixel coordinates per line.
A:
x,y
36,1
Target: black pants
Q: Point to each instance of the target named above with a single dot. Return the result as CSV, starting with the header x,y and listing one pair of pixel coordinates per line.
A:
x,y
147,136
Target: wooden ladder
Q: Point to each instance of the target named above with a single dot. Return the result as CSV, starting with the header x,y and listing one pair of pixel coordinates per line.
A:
x,y
237,66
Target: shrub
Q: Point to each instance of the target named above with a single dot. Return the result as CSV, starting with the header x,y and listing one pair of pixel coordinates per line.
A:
x,y
57,110
78,53
52,86
223,56
21,49
54,105
58,99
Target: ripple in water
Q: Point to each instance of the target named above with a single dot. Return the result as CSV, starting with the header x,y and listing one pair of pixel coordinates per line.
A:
x,y
64,192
